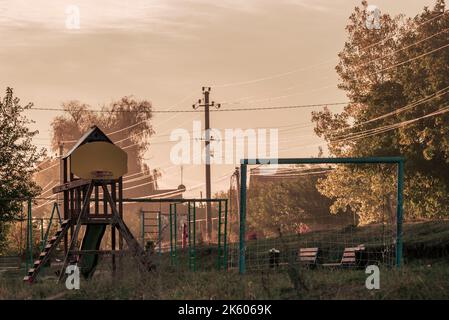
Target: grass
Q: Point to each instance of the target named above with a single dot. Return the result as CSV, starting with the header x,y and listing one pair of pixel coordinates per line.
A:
x,y
425,275
423,280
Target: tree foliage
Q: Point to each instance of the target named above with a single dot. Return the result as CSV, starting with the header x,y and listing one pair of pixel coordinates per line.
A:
x,y
288,206
18,157
407,66
127,112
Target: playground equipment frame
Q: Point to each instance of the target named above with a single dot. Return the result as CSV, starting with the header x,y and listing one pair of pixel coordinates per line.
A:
x,y
369,160
191,216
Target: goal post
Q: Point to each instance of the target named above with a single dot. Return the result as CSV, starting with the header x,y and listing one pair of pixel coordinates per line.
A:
x,y
399,161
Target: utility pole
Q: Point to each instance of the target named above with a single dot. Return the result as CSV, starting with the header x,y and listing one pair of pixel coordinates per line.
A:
x,y
206,104
182,174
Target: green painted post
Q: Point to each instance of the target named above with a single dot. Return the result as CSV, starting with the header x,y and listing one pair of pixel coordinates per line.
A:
x,y
219,236
242,265
159,231
225,240
175,233
171,233
55,207
399,213
57,211
30,236
194,236
27,245
42,234
142,227
189,235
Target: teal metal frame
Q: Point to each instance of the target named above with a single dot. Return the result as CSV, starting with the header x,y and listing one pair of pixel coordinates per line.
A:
x,y
29,256
191,227
370,160
45,238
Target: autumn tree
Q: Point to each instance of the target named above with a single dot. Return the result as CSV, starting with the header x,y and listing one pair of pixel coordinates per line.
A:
x,y
395,78
289,204
128,113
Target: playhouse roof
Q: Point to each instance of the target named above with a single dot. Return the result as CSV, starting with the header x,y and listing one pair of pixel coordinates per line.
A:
x,y
93,134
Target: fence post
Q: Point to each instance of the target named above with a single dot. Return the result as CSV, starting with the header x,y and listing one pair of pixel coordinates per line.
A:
x,y
225,240
242,265
30,235
159,231
219,262
142,227
399,213
171,232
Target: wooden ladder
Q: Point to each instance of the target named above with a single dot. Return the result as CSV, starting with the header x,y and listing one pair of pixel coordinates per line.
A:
x,y
47,252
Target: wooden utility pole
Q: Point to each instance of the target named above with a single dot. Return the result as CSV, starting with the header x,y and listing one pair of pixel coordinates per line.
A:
x,y
206,104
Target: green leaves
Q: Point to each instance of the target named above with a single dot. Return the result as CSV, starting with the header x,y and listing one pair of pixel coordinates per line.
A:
x,y
382,78
18,157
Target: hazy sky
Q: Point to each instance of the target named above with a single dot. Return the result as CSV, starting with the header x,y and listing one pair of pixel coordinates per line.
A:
x,y
165,51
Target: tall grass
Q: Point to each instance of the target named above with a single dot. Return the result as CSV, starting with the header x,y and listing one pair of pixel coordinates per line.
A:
x,y
423,280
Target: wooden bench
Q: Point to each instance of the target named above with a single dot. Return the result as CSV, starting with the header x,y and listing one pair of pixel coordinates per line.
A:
x,y
308,256
9,262
351,257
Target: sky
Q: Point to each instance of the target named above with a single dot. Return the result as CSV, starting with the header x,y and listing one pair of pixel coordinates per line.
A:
x,y
253,53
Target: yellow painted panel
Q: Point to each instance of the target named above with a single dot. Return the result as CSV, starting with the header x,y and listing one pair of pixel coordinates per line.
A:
x,y
99,160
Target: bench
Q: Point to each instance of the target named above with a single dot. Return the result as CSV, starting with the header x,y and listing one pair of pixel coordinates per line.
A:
x,y
9,262
351,257
308,256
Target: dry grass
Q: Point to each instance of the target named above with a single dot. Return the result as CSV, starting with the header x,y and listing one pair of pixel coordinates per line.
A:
x,y
424,280
420,278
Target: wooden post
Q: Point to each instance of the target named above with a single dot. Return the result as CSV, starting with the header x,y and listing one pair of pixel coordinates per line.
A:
x,y
114,203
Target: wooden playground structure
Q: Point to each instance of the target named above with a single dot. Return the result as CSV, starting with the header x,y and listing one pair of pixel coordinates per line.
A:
x,y
91,182
92,166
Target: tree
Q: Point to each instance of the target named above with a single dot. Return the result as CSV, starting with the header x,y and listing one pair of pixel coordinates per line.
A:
x,y
127,112
289,205
18,157
380,79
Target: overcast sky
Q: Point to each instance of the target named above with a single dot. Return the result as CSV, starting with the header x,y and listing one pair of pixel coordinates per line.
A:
x,y
165,51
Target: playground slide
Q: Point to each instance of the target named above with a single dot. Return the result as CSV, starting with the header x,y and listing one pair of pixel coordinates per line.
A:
x,y
91,241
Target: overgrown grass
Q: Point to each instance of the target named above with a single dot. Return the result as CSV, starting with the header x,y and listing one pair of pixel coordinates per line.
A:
x,y
425,275
423,280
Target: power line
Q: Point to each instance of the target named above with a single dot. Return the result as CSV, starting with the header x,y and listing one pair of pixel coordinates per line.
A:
x,y
43,170
360,64
404,48
218,110
280,75
428,98
375,131
261,108
331,85
411,59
